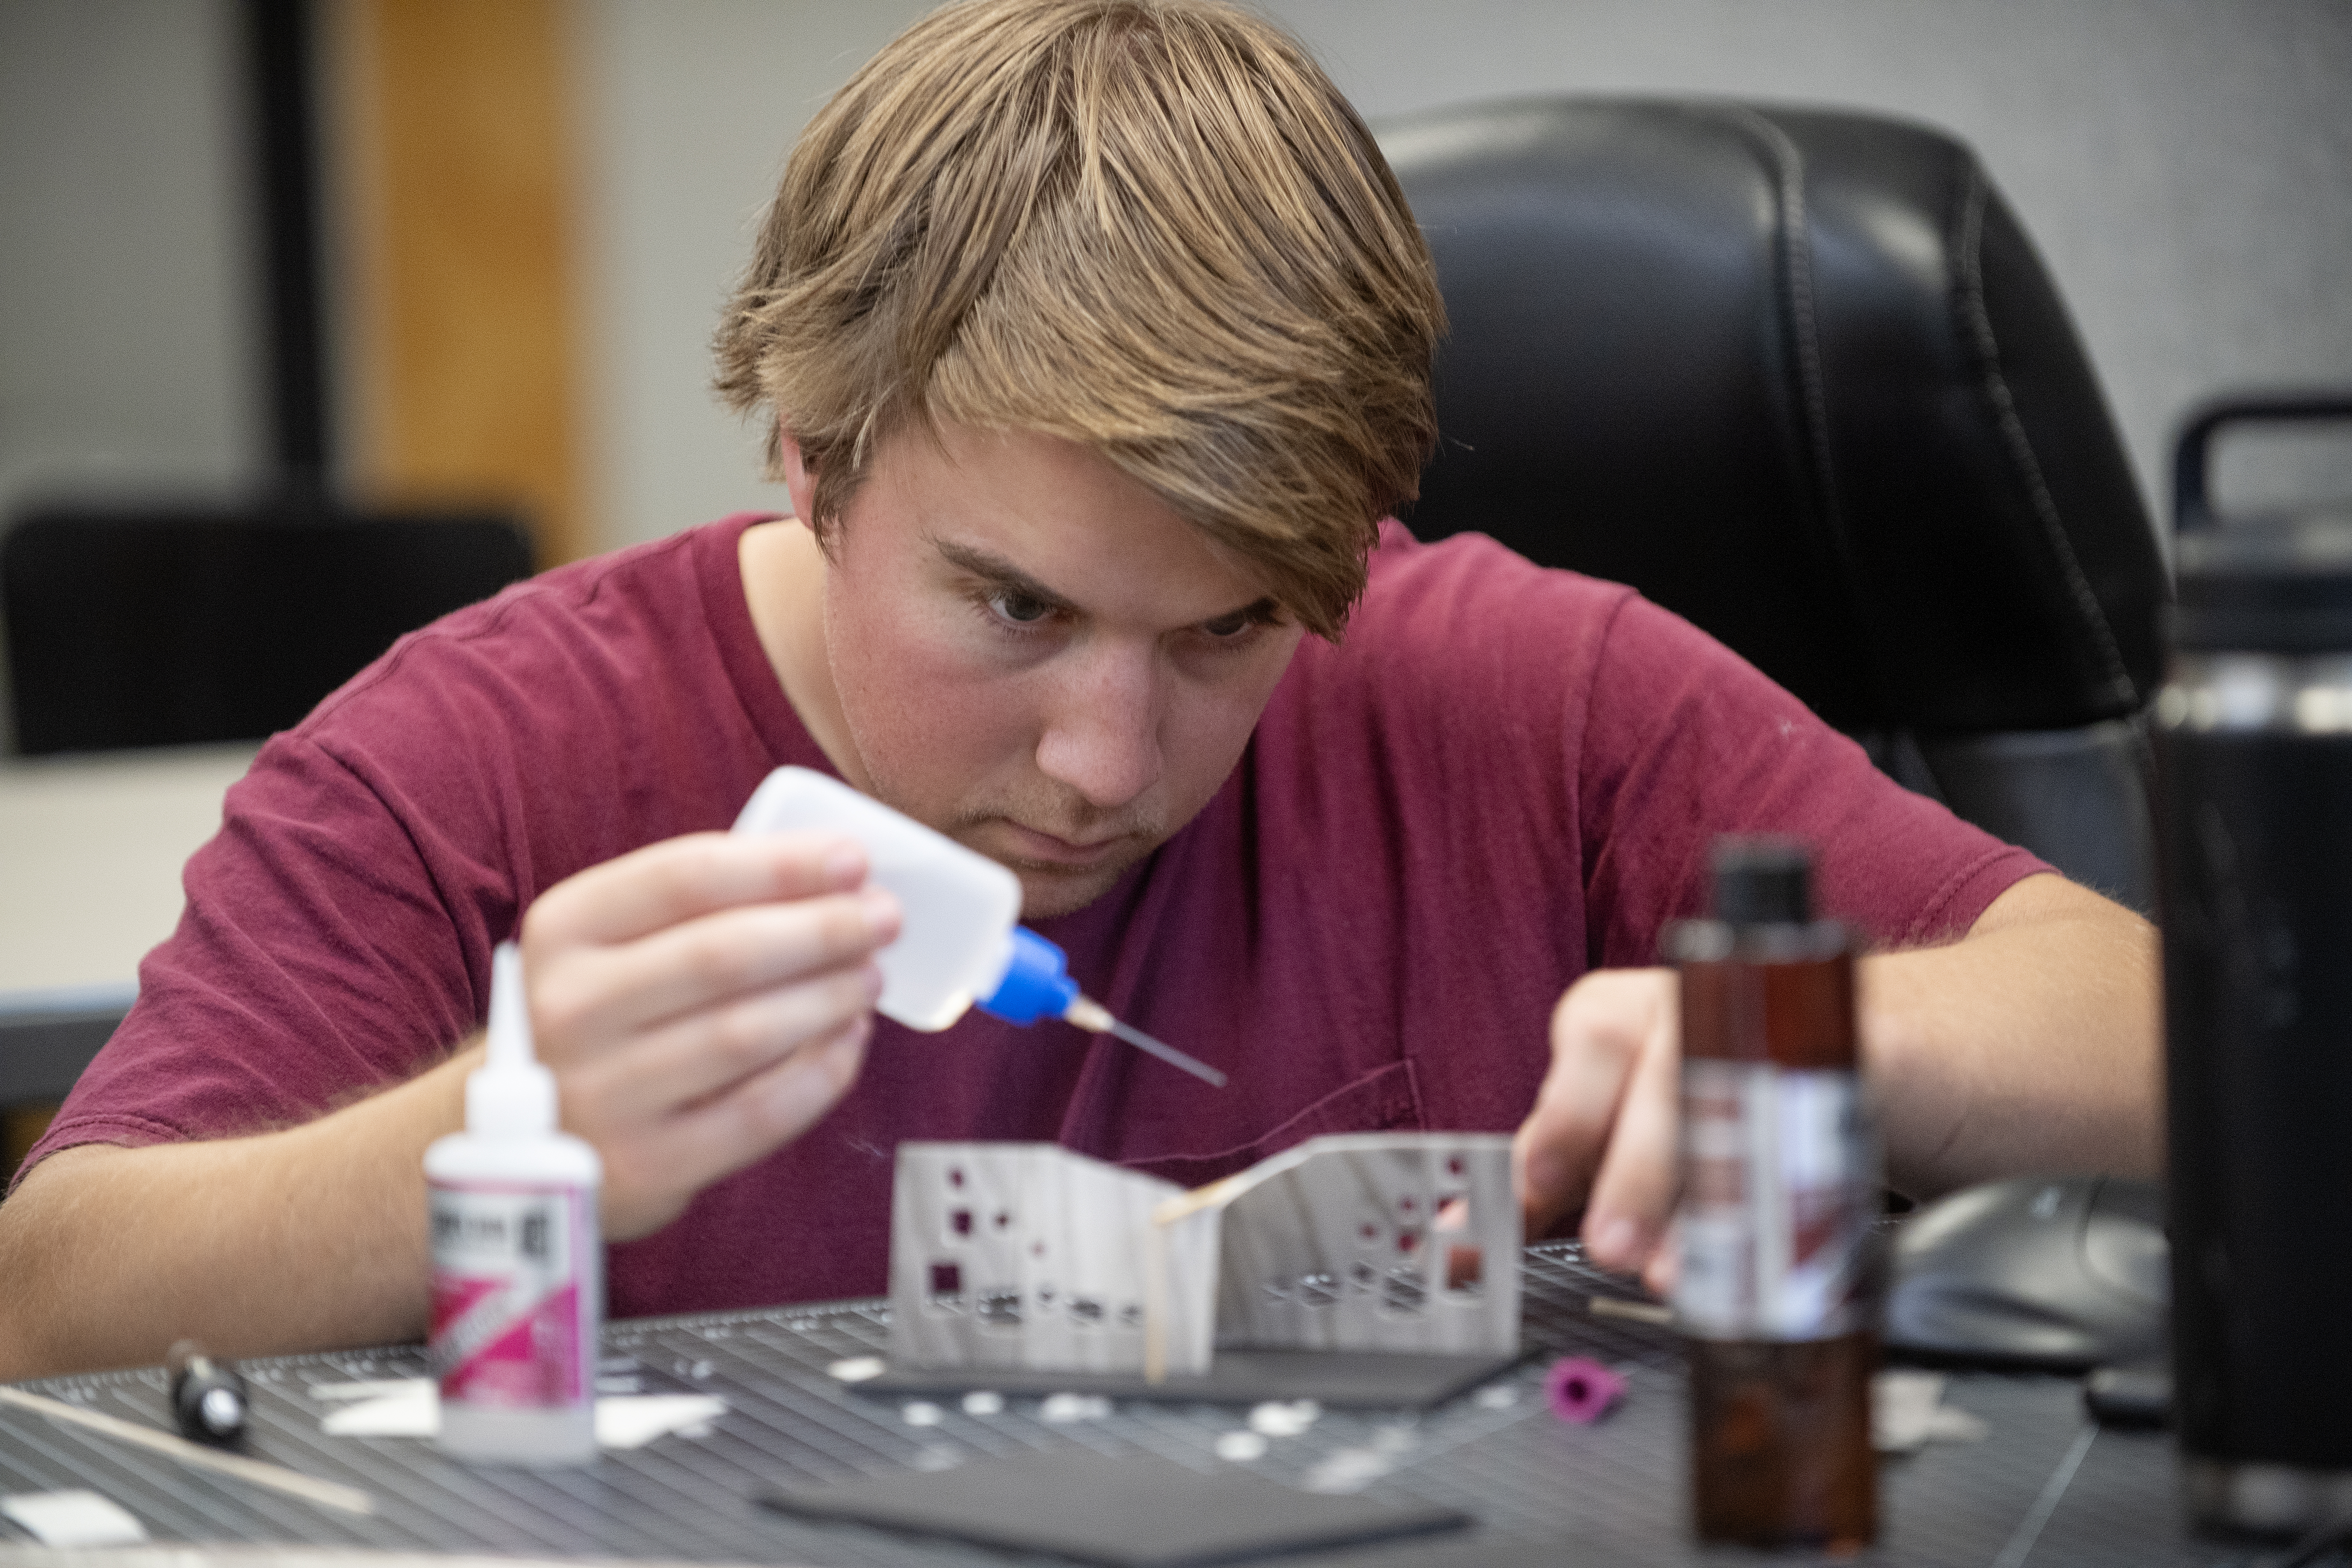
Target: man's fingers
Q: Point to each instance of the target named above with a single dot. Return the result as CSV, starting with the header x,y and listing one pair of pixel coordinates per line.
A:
x,y
736,953
1664,1266
705,1052
737,1128
1634,1196
1599,1032
703,1000
677,880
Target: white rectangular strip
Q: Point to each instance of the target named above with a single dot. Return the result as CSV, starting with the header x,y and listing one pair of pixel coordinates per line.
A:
x,y
74,1519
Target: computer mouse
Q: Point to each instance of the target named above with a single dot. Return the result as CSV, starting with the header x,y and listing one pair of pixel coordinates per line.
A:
x,y
2058,1273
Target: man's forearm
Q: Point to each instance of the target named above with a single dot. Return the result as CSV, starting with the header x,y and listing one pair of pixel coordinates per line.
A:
x,y
307,1239
2034,1044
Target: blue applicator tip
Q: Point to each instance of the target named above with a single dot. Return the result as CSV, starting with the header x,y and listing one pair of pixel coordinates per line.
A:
x,y
1037,985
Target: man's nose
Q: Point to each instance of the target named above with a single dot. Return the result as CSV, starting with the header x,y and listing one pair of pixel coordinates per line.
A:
x,y
1102,736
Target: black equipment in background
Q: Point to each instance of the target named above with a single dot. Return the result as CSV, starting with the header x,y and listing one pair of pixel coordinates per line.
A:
x,y
278,35
2253,751
176,624
1799,376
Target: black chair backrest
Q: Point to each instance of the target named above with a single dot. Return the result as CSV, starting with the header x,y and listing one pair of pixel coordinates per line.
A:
x,y
170,625
1799,376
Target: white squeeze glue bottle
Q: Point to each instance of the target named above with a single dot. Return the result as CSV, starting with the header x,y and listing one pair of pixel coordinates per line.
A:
x,y
958,946
518,1271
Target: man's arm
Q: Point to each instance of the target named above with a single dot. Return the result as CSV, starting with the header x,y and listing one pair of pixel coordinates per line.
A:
x,y
301,1239
701,1002
2033,1042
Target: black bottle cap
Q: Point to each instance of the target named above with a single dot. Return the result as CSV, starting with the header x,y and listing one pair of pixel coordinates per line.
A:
x,y
1761,880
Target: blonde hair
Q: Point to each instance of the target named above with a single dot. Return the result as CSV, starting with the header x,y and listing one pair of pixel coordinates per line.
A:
x,y
1151,227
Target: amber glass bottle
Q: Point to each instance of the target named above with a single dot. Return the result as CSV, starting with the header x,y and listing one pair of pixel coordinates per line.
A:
x,y
1777,1289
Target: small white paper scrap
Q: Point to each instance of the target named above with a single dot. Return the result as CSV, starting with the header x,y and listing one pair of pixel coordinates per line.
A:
x,y
633,1420
410,1407
1908,1413
1348,1470
1060,1408
370,1388
1276,1419
74,1519
623,1420
1240,1448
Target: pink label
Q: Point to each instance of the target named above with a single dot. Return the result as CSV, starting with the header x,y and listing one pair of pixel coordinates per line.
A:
x,y
514,1299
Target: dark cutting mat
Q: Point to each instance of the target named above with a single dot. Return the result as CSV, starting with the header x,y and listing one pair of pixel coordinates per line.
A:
x,y
2044,1490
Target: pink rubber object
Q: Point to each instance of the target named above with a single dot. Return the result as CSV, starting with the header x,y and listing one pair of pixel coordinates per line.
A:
x,y
1581,1390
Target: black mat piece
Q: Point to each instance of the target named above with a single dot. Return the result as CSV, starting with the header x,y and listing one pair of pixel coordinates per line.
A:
x,y
1475,1553
1137,1511
1344,1380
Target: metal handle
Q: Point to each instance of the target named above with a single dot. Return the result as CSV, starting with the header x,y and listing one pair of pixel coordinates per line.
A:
x,y
2192,508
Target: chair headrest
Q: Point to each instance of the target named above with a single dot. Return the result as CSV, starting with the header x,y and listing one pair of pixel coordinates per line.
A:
x,y
1798,376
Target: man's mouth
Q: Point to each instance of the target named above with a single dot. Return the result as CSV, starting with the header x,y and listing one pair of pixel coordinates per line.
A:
x,y
1047,851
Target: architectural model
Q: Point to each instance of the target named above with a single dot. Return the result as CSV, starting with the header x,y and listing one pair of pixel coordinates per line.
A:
x,y
1026,1255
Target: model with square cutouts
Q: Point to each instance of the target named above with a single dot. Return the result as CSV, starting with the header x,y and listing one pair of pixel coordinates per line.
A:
x,y
1026,1255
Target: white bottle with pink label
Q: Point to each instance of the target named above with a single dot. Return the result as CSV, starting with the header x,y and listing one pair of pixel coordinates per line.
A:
x,y
517,1268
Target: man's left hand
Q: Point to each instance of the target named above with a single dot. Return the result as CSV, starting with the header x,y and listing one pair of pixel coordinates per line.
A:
x,y
2033,1043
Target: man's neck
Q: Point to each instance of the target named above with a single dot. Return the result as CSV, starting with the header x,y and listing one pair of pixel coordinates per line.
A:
x,y
783,586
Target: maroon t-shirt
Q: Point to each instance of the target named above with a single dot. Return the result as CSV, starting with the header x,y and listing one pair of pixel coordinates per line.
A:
x,y
1503,777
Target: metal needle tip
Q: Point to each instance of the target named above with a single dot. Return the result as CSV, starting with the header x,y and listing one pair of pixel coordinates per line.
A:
x,y
1088,1014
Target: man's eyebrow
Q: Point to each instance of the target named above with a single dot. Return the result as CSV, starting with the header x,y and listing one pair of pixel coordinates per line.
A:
x,y
1001,572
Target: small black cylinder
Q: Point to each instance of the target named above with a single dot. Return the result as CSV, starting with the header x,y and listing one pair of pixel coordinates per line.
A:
x,y
1761,880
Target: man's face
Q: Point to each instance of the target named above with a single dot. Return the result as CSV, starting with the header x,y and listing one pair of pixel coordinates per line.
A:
x,y
1035,656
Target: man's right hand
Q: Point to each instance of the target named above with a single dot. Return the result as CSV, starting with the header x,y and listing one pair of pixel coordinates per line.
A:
x,y
703,1000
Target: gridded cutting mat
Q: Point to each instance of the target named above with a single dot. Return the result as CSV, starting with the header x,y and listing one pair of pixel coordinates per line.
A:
x,y
2042,1489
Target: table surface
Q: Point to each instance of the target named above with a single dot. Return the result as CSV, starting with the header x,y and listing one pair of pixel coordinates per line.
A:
x,y
2044,1488
90,851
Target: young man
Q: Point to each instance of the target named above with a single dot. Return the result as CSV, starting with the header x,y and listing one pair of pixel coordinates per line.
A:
x,y
1095,338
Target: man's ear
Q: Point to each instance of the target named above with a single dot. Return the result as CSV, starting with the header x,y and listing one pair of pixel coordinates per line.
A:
x,y
798,480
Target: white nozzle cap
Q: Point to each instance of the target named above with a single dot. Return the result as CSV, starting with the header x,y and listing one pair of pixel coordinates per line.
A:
x,y
509,1095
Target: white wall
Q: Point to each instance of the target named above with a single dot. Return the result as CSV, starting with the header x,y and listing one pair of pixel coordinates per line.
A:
x,y
128,350
691,106
2186,167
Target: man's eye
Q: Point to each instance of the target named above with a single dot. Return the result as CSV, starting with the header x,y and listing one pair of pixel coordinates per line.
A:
x,y
1229,625
1021,609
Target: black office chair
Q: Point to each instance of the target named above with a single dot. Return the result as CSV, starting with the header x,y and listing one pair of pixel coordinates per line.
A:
x,y
1799,376
174,624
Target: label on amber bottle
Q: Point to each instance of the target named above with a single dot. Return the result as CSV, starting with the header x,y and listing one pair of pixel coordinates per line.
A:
x,y
1780,1191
